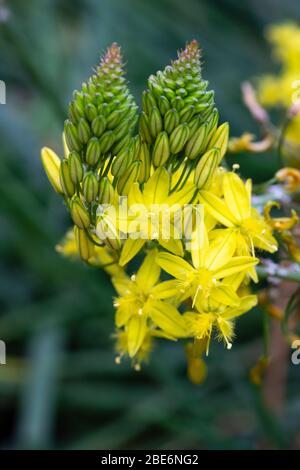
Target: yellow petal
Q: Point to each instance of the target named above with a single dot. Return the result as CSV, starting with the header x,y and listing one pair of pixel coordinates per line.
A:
x,y
135,196
217,208
246,304
174,265
236,196
156,189
221,250
165,290
121,284
148,274
130,249
174,246
136,331
199,241
167,317
225,295
51,164
181,197
235,265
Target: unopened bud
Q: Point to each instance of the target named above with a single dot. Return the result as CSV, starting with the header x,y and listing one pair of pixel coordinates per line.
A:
x,y
106,191
65,179
90,187
178,138
148,102
206,168
144,157
51,164
72,137
98,125
187,113
196,145
161,151
84,131
91,112
75,167
144,128
79,213
106,141
163,105
84,245
93,152
129,177
171,120
220,139
155,122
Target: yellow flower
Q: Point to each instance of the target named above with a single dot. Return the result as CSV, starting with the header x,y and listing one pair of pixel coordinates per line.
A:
x,y
148,209
212,263
236,213
139,306
202,323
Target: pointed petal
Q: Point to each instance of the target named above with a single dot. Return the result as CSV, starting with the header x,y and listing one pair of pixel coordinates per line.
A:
x,y
236,196
149,272
174,265
235,265
221,250
130,248
165,290
156,189
122,284
174,246
217,208
136,331
225,295
181,197
199,241
135,195
167,317
246,304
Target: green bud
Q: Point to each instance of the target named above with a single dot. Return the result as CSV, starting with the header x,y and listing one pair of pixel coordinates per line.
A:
x,y
106,191
79,213
206,168
65,179
84,131
72,137
171,120
85,247
144,128
90,187
163,105
155,122
75,168
93,152
122,130
219,139
123,143
156,89
178,138
51,163
75,112
196,145
194,125
91,112
161,151
99,125
108,232
106,141
144,157
148,102
187,113
121,162
130,176
135,147
114,118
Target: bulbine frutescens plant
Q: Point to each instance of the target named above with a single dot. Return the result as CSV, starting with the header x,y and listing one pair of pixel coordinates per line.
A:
x,y
168,167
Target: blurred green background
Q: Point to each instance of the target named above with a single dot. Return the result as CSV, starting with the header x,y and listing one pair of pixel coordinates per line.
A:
x,y
60,387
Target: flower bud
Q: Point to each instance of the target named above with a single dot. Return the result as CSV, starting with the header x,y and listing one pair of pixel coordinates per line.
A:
x,y
51,164
93,152
220,139
122,130
75,112
65,179
108,232
212,124
84,131
128,178
148,102
99,125
178,138
72,137
196,145
85,247
114,118
106,141
144,128
163,105
123,143
91,112
121,162
171,120
187,113
75,168
79,213
144,157
106,191
155,122
206,168
161,151
90,187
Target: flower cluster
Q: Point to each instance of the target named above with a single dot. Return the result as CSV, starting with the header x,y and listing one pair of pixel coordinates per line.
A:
x,y
159,197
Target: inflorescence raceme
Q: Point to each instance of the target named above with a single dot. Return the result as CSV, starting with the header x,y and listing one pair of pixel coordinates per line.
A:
x,y
150,186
